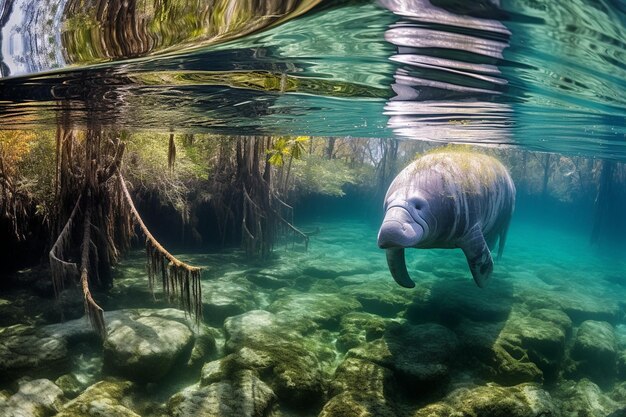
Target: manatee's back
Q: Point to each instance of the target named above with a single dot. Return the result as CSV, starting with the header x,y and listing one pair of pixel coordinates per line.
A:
x,y
472,187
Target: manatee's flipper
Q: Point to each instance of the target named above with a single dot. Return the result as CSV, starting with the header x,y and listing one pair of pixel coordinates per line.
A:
x,y
502,238
397,267
478,255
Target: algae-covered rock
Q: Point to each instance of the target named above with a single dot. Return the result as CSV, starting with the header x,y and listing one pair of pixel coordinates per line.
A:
x,y
541,336
354,404
450,301
360,375
621,365
361,388
497,358
579,305
104,398
594,351
324,309
294,370
226,297
204,345
383,298
35,398
241,395
268,281
226,367
583,398
557,317
146,348
25,350
419,355
357,328
70,385
525,400
524,348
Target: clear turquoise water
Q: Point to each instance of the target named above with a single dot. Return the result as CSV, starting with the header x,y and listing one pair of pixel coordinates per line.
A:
x,y
541,76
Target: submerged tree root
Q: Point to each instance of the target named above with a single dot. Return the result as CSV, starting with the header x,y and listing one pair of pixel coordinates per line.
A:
x,y
179,280
94,311
58,267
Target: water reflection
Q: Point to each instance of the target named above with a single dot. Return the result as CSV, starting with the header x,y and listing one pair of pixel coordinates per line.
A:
x,y
47,34
545,75
448,82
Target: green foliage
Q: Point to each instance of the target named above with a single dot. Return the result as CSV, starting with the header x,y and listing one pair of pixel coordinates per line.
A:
x,y
146,163
317,175
30,166
285,146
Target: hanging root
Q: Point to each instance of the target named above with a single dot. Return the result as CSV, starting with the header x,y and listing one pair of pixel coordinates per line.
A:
x,y
179,280
58,267
93,310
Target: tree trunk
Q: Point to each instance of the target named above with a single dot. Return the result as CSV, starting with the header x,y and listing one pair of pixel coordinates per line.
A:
x,y
604,199
546,175
330,148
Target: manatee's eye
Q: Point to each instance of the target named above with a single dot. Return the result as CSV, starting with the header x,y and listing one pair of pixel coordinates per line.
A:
x,y
418,202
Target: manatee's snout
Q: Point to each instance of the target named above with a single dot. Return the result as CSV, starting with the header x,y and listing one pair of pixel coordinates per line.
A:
x,y
399,230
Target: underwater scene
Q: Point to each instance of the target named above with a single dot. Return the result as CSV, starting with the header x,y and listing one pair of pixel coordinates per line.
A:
x,y
313,208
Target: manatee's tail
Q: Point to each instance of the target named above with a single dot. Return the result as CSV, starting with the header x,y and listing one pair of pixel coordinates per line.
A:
x,y
397,267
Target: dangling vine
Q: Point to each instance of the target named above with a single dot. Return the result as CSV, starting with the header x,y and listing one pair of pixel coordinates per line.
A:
x,y
179,280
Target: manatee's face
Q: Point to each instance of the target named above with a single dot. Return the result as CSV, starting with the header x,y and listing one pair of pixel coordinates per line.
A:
x,y
406,219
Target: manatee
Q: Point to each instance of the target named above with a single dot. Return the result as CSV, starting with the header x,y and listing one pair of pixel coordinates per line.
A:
x,y
448,198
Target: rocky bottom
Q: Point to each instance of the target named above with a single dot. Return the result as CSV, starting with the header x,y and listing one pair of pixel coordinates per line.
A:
x,y
328,333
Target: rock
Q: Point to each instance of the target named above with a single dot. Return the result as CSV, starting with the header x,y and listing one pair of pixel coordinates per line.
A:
x,y
557,317
358,328
204,346
326,270
579,305
499,359
525,400
35,398
146,348
583,398
25,350
594,351
294,370
70,385
243,395
354,404
450,301
419,355
101,399
541,336
621,365
324,309
224,298
244,359
528,347
268,281
71,304
385,299
362,376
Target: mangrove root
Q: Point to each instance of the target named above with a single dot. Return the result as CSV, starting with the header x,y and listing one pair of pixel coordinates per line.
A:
x,y
179,280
